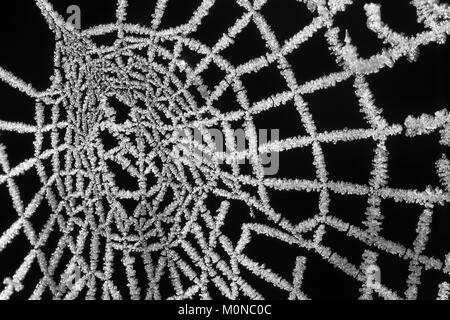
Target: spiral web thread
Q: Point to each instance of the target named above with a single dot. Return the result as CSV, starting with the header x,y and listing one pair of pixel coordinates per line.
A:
x,y
172,231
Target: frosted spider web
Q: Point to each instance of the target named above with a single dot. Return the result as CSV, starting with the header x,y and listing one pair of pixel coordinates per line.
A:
x,y
172,231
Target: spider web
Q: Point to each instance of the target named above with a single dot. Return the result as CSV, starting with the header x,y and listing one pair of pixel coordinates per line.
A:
x,y
115,193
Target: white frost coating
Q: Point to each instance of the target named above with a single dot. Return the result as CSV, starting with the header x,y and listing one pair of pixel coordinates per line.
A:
x,y
444,291
169,230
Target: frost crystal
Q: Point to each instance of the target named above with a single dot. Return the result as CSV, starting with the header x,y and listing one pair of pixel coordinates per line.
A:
x,y
171,231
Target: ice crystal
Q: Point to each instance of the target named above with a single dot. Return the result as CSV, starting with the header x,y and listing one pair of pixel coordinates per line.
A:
x,y
172,231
